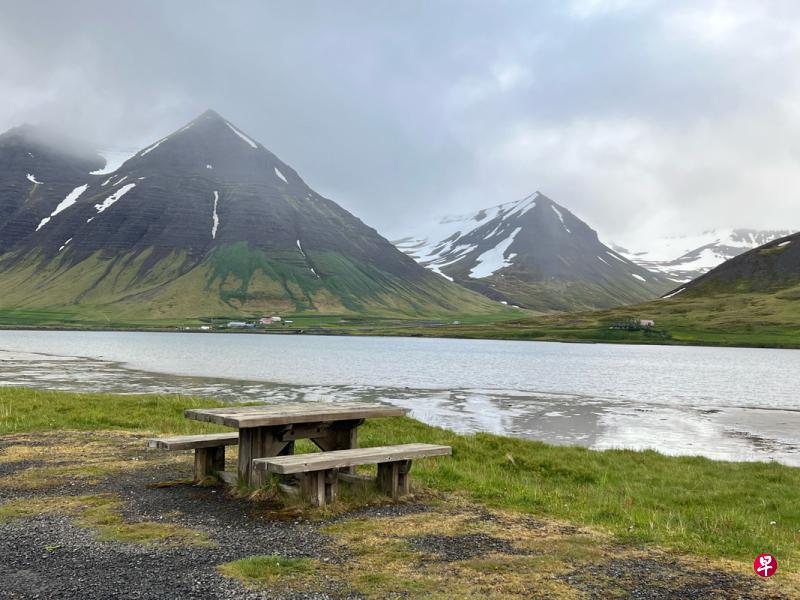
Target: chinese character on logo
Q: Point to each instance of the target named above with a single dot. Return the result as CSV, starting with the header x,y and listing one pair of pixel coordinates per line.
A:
x,y
765,565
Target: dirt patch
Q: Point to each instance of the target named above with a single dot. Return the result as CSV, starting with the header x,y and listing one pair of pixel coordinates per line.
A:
x,y
448,548
661,577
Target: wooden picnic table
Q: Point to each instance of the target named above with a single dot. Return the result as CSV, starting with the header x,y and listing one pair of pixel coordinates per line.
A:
x,y
271,429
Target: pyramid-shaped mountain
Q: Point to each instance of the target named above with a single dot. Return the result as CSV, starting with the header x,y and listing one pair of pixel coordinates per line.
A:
x,y
533,253
206,221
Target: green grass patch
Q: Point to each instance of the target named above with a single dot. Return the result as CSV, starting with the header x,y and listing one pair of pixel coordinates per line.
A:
x,y
24,410
101,512
711,508
272,569
725,319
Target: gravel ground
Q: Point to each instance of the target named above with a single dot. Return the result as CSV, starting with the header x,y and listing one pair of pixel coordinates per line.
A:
x,y
49,556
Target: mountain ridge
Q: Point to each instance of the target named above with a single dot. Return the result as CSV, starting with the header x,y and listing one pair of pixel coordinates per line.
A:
x,y
769,268
688,257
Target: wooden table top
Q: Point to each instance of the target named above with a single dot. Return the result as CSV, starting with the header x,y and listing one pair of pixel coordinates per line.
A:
x,y
292,413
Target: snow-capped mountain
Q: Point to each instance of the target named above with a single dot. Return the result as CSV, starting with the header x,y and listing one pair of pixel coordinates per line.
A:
x,y
532,253
685,258
207,221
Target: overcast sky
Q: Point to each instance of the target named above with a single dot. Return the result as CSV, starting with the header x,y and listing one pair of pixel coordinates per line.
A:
x,y
644,118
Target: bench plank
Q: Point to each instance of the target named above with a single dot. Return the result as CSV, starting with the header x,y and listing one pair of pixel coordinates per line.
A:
x,y
338,459
193,442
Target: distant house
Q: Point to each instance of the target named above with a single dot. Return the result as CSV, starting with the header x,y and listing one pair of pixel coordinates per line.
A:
x,y
238,325
205,327
288,322
266,321
634,324
277,319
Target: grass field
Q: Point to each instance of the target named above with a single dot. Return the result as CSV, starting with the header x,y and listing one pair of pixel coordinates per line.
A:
x,y
715,509
748,319
743,319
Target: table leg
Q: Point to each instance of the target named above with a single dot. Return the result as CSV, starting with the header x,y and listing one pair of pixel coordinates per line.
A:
x,y
259,442
342,435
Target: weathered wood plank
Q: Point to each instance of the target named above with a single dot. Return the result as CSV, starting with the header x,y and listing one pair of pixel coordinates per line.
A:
x,y
191,442
388,479
342,435
208,461
258,442
291,413
320,487
340,459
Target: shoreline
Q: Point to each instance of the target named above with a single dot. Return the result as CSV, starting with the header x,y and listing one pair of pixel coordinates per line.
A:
x,y
387,333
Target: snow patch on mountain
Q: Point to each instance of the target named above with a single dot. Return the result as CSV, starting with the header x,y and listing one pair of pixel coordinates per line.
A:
x,y
114,160
495,258
675,293
280,175
439,241
560,217
32,179
153,147
241,135
305,257
215,217
116,196
71,198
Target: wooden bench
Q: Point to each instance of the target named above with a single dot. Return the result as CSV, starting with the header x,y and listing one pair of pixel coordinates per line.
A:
x,y
319,471
209,450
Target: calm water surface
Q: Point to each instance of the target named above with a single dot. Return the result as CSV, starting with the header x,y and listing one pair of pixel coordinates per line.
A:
x,y
725,403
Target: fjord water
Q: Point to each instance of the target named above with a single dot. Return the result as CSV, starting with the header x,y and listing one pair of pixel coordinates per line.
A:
x,y
724,403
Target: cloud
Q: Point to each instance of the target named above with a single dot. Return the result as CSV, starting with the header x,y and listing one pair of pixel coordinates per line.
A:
x,y
639,116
